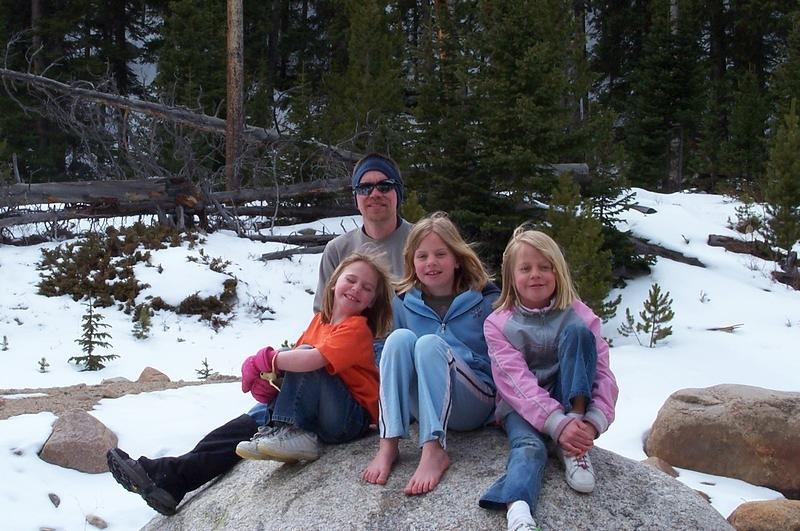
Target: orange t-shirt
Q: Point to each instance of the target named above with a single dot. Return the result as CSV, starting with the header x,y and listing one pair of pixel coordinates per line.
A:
x,y
347,347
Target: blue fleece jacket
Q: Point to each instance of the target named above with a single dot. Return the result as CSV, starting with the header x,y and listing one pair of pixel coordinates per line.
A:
x,y
461,328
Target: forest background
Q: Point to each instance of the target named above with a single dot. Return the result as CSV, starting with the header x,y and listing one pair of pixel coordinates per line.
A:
x,y
475,99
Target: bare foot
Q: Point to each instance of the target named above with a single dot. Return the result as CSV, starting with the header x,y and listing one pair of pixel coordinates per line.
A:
x,y
378,470
432,464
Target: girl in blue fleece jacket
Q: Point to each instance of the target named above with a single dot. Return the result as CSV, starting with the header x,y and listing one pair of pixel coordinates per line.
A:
x,y
435,366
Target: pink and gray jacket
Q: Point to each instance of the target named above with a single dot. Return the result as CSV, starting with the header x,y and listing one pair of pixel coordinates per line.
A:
x,y
523,348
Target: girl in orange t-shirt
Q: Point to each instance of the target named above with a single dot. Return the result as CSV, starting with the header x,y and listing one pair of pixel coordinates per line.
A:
x,y
329,388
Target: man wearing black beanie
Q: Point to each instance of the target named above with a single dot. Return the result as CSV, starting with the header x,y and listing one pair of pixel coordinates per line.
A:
x,y
378,190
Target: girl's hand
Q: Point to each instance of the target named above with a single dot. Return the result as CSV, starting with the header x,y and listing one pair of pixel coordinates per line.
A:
x,y
577,438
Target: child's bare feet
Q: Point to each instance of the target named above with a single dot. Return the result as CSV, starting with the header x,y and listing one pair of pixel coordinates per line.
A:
x,y
380,467
432,464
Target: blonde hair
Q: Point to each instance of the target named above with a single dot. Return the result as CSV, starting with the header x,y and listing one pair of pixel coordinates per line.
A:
x,y
469,275
565,290
379,313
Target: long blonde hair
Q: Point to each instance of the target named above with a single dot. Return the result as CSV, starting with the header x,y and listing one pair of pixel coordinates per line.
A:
x,y
565,290
379,313
469,275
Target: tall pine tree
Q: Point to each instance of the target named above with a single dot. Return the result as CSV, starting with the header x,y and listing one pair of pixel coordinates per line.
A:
x,y
782,184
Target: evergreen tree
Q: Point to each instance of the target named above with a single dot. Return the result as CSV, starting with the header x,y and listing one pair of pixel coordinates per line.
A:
x,y
192,55
665,102
656,313
93,337
787,77
364,101
744,153
782,184
445,140
580,236
529,93
142,322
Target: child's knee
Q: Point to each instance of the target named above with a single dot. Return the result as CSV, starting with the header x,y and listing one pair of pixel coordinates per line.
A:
x,y
429,346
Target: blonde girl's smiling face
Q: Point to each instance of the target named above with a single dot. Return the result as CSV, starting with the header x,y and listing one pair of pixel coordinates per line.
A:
x,y
435,265
534,277
354,290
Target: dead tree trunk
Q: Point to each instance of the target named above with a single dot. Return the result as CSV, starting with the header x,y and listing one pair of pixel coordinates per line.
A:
x,y
234,116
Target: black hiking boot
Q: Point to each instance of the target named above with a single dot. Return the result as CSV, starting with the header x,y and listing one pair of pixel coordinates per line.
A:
x,y
130,474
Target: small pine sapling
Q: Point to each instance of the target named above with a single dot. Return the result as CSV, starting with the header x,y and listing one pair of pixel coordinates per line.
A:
x,y
4,344
93,337
657,312
43,365
628,328
142,323
204,371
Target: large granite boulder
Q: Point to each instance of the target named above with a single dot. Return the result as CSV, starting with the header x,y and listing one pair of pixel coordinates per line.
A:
x,y
772,515
79,441
327,494
738,431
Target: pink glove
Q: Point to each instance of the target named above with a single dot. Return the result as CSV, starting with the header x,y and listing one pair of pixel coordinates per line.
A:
x,y
255,373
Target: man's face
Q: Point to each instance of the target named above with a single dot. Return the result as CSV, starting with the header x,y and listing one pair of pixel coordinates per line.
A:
x,y
377,207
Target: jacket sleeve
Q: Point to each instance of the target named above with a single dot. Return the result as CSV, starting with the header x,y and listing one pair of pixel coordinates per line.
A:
x,y
518,386
600,413
398,314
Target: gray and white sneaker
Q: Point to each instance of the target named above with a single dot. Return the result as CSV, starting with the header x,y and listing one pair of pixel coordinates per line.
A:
x,y
525,525
249,449
578,471
289,444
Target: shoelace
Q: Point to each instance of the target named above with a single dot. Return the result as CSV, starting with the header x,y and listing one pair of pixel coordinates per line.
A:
x,y
582,462
264,431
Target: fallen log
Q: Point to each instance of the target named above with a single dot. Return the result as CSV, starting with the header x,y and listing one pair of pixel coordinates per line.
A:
x,y
642,246
294,239
756,248
287,253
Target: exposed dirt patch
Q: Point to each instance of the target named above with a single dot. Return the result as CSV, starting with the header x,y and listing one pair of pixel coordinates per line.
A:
x,y
84,397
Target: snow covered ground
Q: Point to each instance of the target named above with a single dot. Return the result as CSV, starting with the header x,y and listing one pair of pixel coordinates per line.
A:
x,y
732,289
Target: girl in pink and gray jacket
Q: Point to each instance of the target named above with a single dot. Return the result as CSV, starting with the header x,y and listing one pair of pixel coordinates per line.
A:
x,y
550,364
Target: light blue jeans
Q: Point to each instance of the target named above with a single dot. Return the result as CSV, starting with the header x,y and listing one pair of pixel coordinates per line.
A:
x,y
527,457
317,402
422,379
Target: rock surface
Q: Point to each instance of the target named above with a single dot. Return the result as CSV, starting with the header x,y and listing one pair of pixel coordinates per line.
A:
x,y
79,441
150,374
327,494
660,464
738,431
773,515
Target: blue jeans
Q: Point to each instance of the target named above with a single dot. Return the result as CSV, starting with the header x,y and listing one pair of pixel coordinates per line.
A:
x,y
318,402
422,379
527,457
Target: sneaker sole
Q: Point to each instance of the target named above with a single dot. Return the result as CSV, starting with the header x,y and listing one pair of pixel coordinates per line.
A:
x,y
285,457
134,481
583,489
247,453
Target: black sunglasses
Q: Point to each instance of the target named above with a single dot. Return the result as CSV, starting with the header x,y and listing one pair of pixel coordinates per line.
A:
x,y
383,187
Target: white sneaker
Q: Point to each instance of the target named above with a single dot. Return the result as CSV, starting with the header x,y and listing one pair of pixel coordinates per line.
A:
x,y
249,449
525,525
578,471
289,444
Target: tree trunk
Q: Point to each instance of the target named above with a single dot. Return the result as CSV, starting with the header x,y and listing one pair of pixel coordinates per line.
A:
x,y
234,117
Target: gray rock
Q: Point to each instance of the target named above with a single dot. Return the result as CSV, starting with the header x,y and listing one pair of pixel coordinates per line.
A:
x,y
328,494
96,521
54,499
79,441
